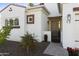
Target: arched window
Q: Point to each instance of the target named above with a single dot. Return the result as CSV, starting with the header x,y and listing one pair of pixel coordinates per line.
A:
x,y
6,22
16,21
11,21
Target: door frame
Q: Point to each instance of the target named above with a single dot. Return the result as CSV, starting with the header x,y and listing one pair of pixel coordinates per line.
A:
x,y
57,18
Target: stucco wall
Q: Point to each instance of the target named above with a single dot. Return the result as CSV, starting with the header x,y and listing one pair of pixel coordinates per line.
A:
x,y
36,27
44,22
40,23
17,12
70,31
48,33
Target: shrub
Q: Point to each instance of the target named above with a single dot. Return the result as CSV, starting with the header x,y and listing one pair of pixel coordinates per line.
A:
x,y
28,42
5,32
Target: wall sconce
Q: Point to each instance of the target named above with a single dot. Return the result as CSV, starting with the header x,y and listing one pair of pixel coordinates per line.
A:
x,y
68,18
10,9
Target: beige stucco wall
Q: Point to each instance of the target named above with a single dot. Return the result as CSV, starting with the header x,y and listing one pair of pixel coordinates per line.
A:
x,y
70,31
40,23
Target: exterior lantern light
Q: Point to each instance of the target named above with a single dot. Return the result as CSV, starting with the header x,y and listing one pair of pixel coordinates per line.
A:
x,y
68,18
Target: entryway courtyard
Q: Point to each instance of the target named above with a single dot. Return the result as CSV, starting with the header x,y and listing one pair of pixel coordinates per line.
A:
x,y
12,48
56,49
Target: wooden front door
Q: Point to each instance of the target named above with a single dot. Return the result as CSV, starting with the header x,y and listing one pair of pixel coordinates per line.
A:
x,y
55,31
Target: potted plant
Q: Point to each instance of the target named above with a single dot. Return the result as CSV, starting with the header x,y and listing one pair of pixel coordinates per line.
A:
x,y
76,51
72,51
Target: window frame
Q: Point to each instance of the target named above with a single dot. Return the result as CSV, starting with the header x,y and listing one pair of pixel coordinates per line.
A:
x,y
16,22
6,22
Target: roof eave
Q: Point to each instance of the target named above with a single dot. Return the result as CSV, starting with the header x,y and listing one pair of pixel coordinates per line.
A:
x,y
13,5
39,7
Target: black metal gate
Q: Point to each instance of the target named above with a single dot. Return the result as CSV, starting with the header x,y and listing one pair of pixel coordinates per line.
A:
x,y
55,36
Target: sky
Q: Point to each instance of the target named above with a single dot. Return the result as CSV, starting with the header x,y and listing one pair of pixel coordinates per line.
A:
x,y
2,5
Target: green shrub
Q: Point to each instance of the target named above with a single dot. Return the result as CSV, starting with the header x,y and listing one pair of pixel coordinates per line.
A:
x,y
28,42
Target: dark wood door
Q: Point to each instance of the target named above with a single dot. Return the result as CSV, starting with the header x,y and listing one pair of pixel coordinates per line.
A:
x,y
55,31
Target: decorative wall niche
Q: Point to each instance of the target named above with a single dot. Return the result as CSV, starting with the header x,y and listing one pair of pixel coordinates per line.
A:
x,y
30,19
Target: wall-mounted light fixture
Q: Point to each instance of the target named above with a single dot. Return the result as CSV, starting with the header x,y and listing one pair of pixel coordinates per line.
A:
x,y
10,9
68,18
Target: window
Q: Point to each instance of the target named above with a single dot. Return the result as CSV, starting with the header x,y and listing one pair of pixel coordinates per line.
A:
x,y
6,22
11,21
30,19
16,21
76,16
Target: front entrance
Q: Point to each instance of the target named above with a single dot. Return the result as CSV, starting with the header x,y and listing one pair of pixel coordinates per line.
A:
x,y
55,29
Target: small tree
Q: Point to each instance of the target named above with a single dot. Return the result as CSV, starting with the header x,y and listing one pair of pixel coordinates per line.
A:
x,y
4,33
28,42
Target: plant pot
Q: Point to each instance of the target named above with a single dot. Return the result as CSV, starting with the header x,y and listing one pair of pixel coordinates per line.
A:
x,y
72,52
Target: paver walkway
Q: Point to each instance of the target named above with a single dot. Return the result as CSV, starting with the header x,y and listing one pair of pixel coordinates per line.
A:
x,y
55,49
